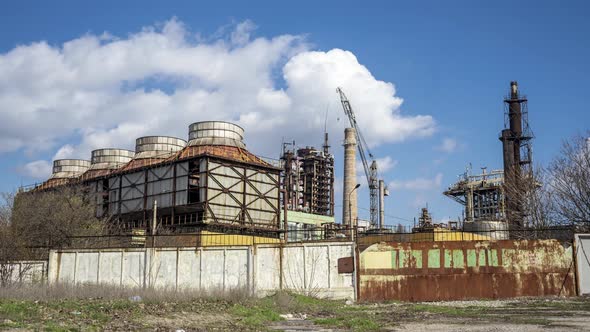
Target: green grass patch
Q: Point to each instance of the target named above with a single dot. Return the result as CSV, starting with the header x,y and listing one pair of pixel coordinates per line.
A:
x,y
562,305
18,311
355,323
258,313
473,311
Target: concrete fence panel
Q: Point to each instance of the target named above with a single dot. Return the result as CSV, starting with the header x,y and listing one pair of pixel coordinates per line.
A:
x,y
583,262
310,269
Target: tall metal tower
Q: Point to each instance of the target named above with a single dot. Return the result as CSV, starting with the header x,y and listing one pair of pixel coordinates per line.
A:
x,y
517,150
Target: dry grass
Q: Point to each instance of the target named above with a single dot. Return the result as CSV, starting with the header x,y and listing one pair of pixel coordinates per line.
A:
x,y
40,292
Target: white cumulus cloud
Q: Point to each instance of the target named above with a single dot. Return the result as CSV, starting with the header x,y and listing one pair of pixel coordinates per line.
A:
x,y
448,145
102,90
39,169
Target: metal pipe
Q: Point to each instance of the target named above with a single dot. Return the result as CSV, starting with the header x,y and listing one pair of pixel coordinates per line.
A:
x,y
285,223
350,208
381,203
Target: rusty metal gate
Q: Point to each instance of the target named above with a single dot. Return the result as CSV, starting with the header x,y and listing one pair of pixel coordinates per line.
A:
x,y
456,270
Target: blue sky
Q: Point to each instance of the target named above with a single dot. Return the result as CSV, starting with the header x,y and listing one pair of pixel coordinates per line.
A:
x,y
451,61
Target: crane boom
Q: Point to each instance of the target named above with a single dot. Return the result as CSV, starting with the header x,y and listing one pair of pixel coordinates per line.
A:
x,y
370,171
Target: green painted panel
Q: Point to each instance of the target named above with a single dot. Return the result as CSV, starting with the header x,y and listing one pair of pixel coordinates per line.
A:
x,y
406,255
458,259
493,257
481,254
394,259
434,258
448,258
471,258
417,257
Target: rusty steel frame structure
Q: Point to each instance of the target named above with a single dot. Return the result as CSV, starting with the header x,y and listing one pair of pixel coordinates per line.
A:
x,y
189,191
308,178
482,195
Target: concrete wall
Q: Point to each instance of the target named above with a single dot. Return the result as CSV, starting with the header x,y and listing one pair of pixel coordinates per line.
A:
x,y
583,263
306,268
27,272
456,270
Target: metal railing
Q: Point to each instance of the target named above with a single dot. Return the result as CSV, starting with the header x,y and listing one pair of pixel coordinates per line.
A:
x,y
363,237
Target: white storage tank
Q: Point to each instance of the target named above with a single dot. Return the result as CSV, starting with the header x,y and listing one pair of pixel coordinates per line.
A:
x,y
69,168
158,147
216,133
110,158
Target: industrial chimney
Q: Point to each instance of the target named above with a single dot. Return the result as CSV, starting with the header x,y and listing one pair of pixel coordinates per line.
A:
x,y
349,202
515,139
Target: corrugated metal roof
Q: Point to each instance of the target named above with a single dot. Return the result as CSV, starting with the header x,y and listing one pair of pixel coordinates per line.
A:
x,y
227,152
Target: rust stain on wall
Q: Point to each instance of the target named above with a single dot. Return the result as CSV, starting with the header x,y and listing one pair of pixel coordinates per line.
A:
x,y
456,270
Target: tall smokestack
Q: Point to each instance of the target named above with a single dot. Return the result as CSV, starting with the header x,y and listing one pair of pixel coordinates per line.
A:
x,y
512,139
515,117
326,146
349,202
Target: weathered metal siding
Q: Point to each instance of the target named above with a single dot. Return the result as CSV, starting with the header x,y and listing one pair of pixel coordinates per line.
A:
x,y
456,270
237,194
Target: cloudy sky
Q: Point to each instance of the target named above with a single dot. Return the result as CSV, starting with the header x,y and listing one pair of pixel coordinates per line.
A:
x,y
426,82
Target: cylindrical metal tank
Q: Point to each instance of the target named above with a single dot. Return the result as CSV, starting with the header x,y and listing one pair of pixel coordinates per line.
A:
x,y
349,202
69,168
216,133
497,230
110,158
158,147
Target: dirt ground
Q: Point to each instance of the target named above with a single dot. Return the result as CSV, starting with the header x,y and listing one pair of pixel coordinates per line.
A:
x,y
51,310
549,314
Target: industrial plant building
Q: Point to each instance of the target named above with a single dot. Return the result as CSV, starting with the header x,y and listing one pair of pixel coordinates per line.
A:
x,y
308,184
212,181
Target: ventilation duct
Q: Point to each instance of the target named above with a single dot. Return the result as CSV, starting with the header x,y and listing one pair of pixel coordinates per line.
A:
x,y
216,133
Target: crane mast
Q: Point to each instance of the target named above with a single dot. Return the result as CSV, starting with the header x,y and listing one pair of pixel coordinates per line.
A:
x,y
370,171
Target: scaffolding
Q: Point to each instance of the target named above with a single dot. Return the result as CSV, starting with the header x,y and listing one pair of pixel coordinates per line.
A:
x,y
482,195
308,179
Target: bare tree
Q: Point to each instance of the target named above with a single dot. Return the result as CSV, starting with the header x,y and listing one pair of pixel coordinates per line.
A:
x,y
533,199
570,181
12,248
6,202
49,218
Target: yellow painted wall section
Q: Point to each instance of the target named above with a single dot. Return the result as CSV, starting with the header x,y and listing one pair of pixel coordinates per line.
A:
x,y
446,235
210,239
